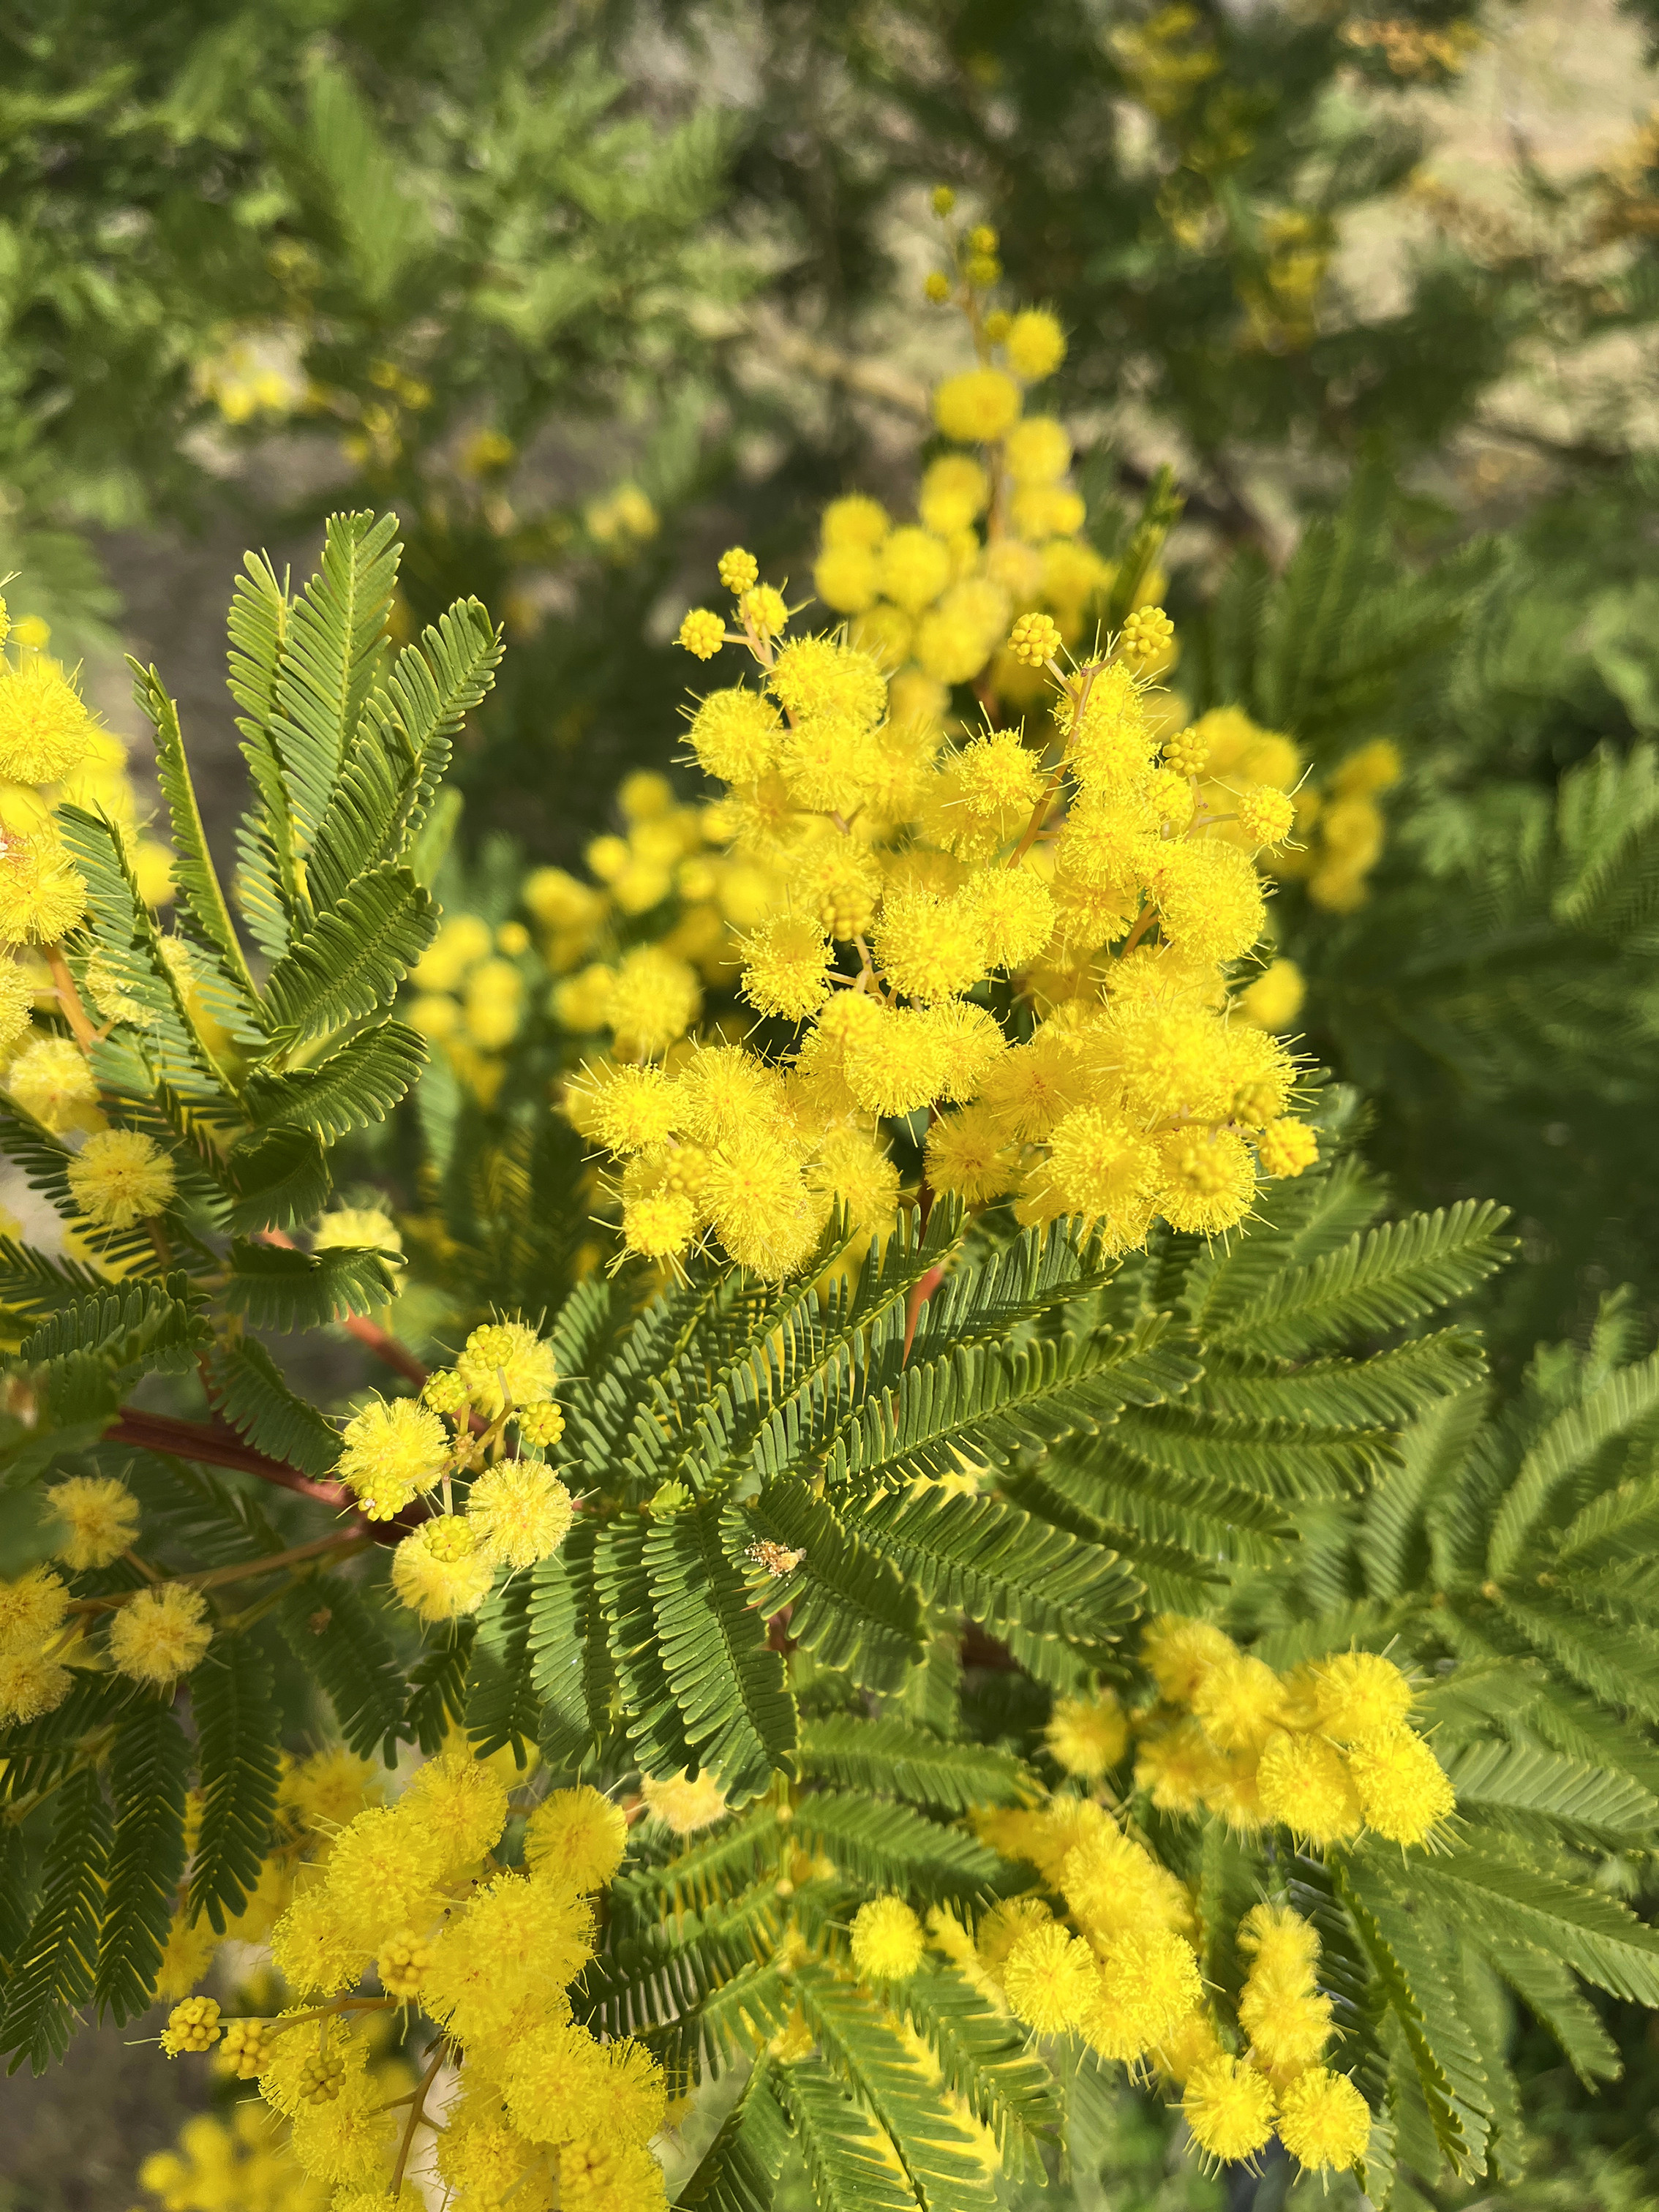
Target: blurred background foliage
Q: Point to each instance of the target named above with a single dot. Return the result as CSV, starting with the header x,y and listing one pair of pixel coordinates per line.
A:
x,y
589,290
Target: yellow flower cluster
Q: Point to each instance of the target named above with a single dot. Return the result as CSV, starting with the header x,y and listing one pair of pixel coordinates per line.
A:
x,y
472,989
1033,954
413,1896
516,1511
1234,2106
1119,1971
1323,1750
155,1634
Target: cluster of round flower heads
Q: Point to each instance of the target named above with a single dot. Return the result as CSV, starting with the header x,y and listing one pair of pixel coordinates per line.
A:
x,y
155,1634
398,1450
1033,954
1323,1750
414,1900
1116,1968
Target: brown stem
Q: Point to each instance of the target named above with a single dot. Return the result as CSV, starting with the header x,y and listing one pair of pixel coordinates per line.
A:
x,y
217,1446
1039,815
1148,916
69,998
417,2114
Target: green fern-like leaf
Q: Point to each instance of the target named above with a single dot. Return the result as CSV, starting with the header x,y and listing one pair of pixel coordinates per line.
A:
x,y
335,1633
890,1757
849,2161
148,1771
351,1088
274,1287
849,1607
250,1392
501,1701
238,1744
738,2172
735,1708
57,1963
350,960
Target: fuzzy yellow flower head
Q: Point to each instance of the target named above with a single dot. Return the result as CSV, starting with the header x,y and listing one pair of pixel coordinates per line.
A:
x,y
160,1634
578,1836
519,1512
45,729
1034,344
739,570
788,970
32,1609
439,1571
703,632
1403,1791
392,1450
1087,1735
1274,999
978,407
1324,2121
1306,1787
1358,1695
50,1079
506,1361
1049,1979
41,894
100,1515
888,1941
685,1805
120,1177
1230,2109
30,1684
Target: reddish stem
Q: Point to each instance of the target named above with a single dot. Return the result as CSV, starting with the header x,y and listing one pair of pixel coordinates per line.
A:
x,y
215,1445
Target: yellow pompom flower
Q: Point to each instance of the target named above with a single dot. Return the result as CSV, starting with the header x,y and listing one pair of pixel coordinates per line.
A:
x,y
1049,1979
738,570
45,732
1266,815
978,407
100,1515
955,489
1087,1736
30,1684
1179,1652
192,2026
1208,1182
1016,916
654,1001
120,1177
1037,450
1360,1695
847,578
439,1571
787,968
854,520
888,1941
1274,999
969,1156
1100,1167
928,948
41,893
1238,1703
1035,344
915,567
1149,1982
682,1804
815,676
1210,898
519,1512
577,1837
541,1425
16,1002
1230,2109
391,1450
459,1803
1324,2121
703,632
503,1361
160,1634
32,1609
51,1079
1034,639
1307,1787
1403,1791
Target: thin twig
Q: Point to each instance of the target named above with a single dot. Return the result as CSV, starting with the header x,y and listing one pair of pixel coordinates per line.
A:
x,y
69,998
418,2114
